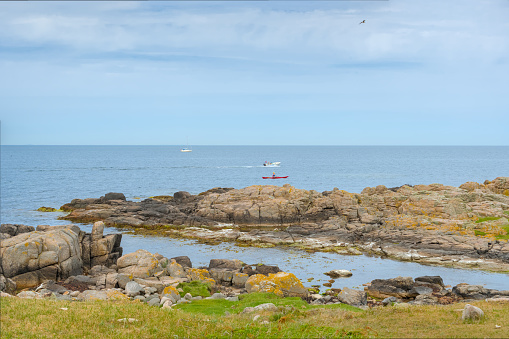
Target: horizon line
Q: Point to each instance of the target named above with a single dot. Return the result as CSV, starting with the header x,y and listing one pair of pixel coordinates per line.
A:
x,y
215,145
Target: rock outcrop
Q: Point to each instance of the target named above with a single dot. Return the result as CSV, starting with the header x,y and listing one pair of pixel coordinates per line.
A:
x,y
54,253
433,224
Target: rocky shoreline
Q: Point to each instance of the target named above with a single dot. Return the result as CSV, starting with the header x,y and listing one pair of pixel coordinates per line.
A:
x,y
158,281
462,227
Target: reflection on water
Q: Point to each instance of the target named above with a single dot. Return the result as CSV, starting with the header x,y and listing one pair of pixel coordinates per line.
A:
x,y
306,265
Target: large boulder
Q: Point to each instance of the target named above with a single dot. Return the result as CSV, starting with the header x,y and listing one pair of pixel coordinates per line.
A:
x,y
31,258
282,283
400,287
139,264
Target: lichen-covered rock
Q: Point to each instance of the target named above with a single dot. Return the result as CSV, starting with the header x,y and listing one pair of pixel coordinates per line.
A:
x,y
30,258
176,270
282,284
171,293
202,275
239,280
139,264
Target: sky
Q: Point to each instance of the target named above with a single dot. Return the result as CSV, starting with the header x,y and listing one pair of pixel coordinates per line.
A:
x,y
420,72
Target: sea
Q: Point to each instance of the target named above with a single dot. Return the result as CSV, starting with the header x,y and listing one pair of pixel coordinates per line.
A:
x,y
36,176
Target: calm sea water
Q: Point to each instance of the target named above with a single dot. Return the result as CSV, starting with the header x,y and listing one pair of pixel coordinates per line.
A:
x,y
35,176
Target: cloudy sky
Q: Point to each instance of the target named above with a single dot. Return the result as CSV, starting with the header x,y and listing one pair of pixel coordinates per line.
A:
x,y
419,72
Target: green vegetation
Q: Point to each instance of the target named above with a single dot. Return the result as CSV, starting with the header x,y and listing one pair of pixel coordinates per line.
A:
x,y
506,236
487,219
47,209
43,318
195,288
479,233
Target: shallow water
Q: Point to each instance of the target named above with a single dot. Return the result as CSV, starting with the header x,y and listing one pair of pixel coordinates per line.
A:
x,y
306,265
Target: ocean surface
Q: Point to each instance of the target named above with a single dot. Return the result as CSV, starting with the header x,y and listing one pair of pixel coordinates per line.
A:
x,y
35,176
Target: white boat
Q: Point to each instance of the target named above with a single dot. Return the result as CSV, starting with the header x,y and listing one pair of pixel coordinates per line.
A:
x,y
272,164
186,149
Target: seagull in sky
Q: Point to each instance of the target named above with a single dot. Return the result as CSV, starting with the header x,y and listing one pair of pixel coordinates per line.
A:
x,y
362,22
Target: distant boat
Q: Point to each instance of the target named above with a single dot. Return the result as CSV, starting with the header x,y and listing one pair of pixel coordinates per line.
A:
x,y
275,177
186,149
272,164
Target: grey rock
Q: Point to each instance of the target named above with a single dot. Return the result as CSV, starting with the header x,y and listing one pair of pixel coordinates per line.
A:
x,y
153,302
28,295
232,298
188,296
93,295
423,290
266,307
226,263
431,279
338,273
217,296
183,261
123,279
389,301
140,298
352,297
132,288
472,313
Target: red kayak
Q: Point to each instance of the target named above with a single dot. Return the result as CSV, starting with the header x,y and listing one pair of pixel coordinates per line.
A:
x,y
274,177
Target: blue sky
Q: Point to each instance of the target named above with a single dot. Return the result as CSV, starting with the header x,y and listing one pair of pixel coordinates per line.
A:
x,y
419,72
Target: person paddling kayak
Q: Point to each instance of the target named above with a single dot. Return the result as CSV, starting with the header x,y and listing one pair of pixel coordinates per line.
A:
x,y
273,174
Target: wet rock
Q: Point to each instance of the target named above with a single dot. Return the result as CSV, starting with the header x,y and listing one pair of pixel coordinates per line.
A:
x,y
338,273
400,287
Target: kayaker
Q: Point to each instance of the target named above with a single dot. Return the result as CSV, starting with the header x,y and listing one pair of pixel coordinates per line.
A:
x,y
273,174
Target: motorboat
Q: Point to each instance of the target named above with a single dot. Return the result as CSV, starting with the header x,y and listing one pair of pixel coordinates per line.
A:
x,y
272,164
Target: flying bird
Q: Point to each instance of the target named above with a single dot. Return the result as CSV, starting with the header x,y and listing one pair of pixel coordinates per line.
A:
x,y
362,22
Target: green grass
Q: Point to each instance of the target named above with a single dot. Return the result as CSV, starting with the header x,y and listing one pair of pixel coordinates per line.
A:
x,y
487,219
221,307
479,233
29,318
506,236
195,288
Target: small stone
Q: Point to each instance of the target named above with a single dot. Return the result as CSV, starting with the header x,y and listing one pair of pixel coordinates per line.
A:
x,y
256,317
338,273
389,301
130,320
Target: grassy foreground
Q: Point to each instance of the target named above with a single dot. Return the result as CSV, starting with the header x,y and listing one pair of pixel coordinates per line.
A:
x,y
27,318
